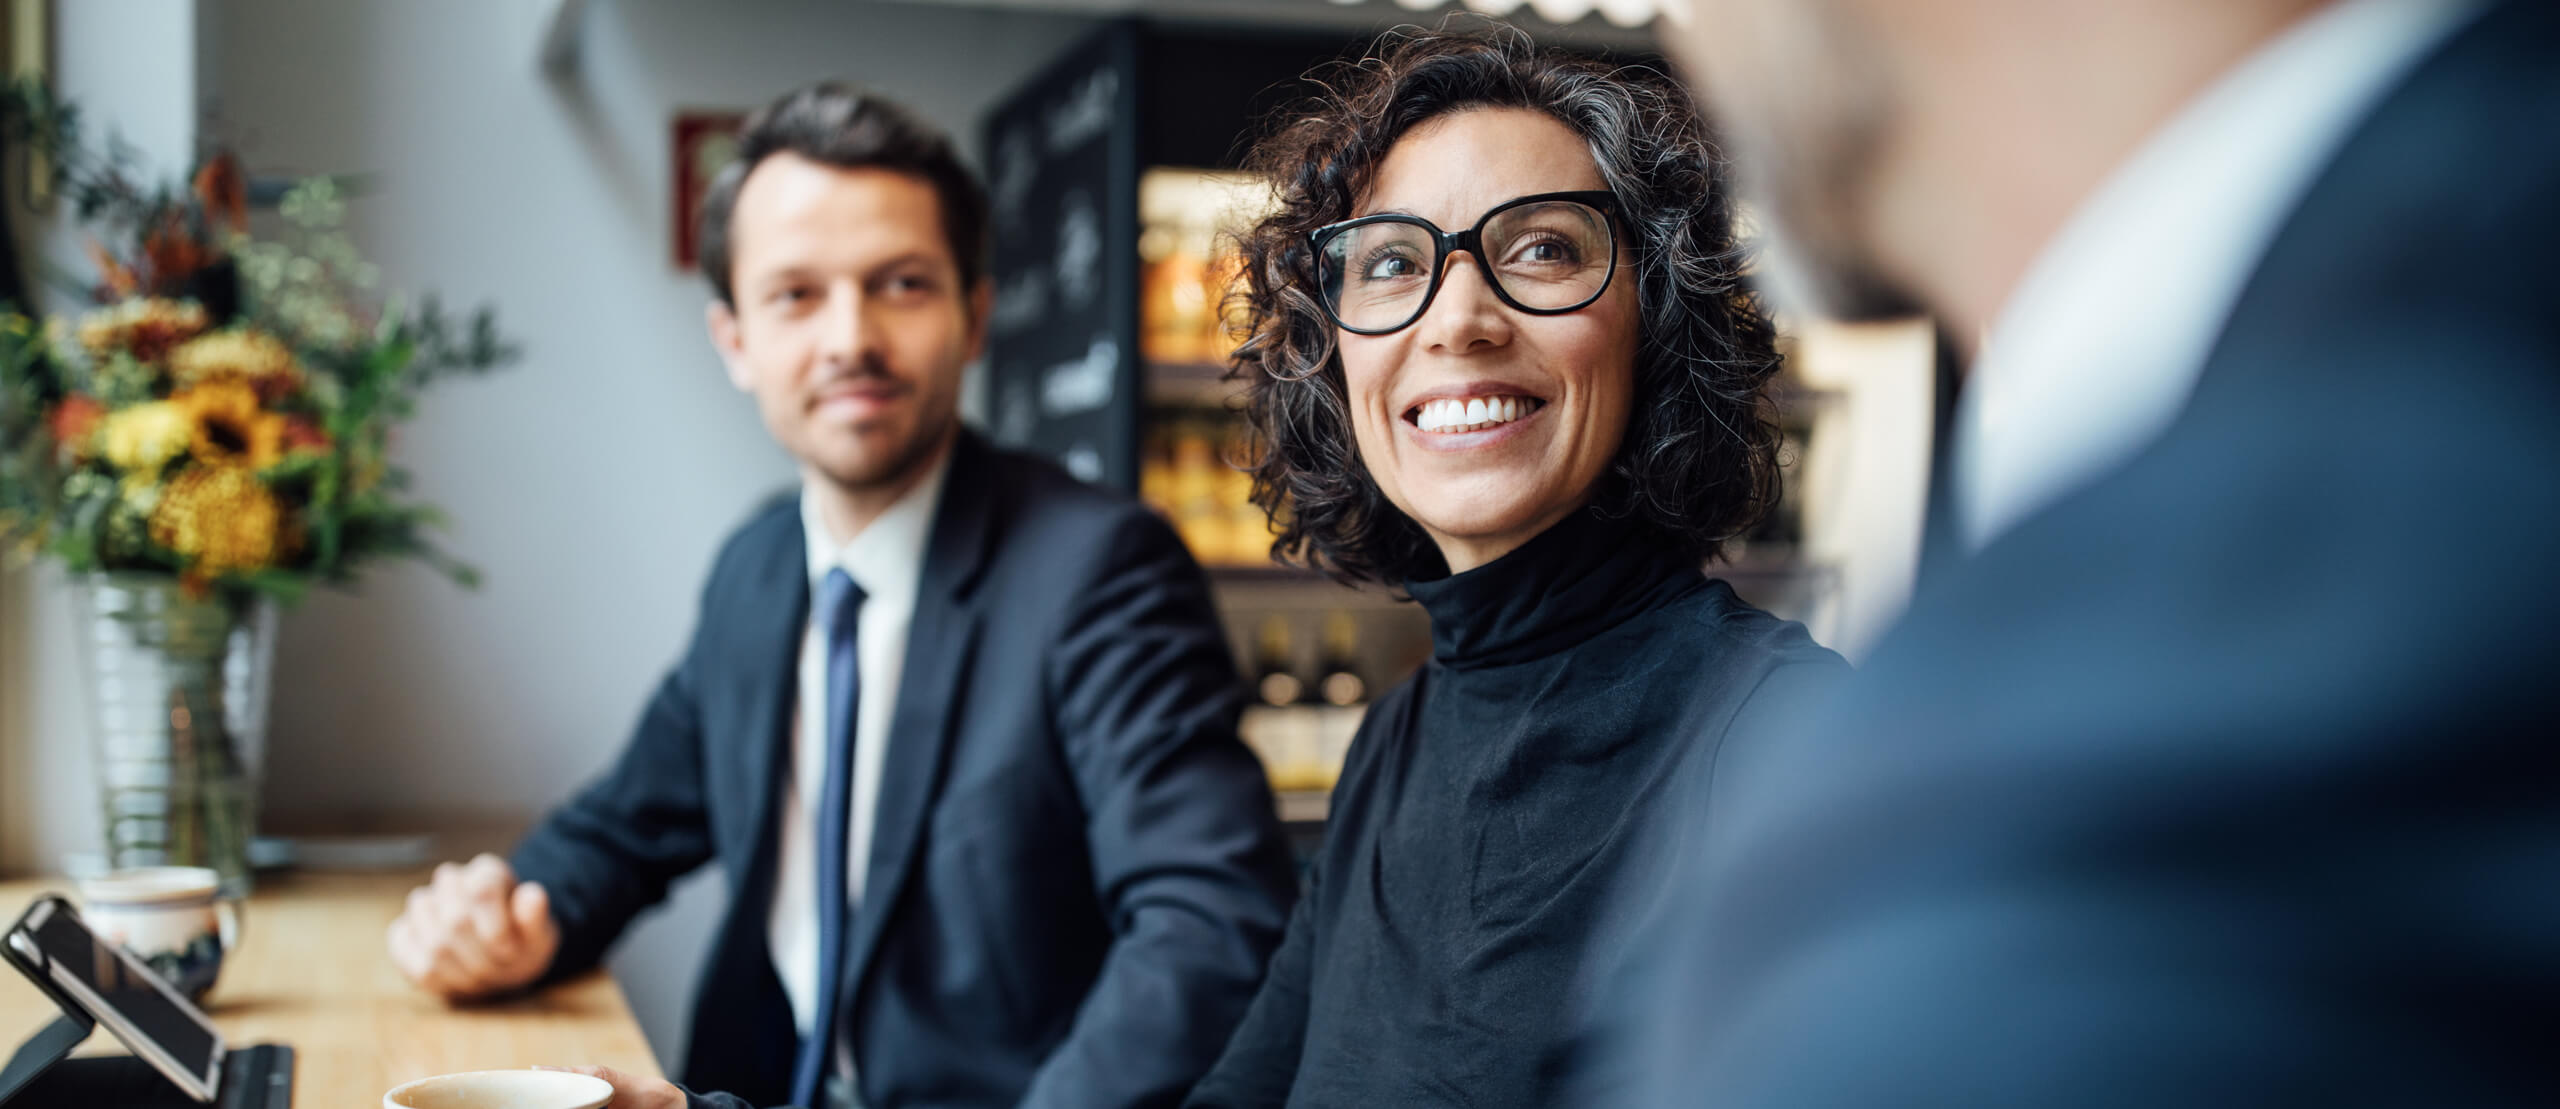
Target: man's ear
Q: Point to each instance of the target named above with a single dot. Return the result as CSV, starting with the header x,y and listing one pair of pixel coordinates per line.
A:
x,y
725,338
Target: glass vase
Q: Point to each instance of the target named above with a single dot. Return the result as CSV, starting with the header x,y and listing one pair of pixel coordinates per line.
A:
x,y
178,688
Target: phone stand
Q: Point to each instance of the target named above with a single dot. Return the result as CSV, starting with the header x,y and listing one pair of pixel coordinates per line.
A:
x,y
42,1051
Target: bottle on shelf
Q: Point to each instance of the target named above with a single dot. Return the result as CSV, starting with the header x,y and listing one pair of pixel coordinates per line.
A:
x,y
1341,684
1156,484
1248,529
1284,731
1173,306
1226,315
1275,682
1199,514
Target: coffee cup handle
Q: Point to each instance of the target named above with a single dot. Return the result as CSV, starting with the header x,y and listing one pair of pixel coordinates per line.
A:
x,y
227,915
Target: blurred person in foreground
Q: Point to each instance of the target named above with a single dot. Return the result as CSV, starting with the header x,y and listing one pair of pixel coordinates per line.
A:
x,y
1501,356
2216,767
959,730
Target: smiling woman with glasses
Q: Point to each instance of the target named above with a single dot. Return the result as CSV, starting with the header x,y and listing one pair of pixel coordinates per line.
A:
x,y
1501,356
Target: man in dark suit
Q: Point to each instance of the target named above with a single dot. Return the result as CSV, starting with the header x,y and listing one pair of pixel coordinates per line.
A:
x,y
2216,766
959,730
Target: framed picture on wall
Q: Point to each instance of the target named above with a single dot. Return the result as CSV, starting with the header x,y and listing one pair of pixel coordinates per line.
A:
x,y
704,141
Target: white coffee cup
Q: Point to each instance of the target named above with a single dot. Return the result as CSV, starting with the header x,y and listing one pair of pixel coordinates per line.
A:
x,y
170,916
502,1089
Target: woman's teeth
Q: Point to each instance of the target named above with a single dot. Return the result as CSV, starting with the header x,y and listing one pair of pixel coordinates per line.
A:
x,y
1450,417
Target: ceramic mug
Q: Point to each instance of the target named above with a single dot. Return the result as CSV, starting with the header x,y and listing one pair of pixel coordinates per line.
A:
x,y
502,1089
169,916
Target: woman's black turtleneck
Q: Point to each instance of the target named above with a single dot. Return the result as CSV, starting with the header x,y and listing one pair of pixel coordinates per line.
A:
x,y
1488,808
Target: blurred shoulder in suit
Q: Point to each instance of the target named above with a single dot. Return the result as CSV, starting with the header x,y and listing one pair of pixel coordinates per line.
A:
x,y
2213,765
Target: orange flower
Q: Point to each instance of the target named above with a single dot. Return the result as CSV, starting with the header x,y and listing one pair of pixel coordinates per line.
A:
x,y
229,427
173,254
220,519
75,421
224,191
114,278
145,327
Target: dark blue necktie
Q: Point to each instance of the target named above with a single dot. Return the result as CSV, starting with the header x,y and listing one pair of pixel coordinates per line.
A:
x,y
839,606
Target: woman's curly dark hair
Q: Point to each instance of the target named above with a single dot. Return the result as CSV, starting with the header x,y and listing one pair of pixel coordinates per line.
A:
x,y
1699,464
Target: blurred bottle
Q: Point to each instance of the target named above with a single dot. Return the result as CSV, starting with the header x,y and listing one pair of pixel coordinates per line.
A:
x,y
1341,684
1199,516
1174,315
1248,529
1288,733
1274,680
1155,470
1223,314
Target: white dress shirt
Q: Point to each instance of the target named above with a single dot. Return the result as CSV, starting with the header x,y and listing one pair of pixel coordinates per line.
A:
x,y
2100,346
886,559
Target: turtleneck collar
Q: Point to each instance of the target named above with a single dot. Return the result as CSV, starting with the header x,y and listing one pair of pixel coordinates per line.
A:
x,y
1574,580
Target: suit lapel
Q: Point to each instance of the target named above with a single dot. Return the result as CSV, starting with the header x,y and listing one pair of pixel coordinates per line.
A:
x,y
939,649
764,660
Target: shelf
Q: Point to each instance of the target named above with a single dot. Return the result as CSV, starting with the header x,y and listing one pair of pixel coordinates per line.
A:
x,y
1190,385
1289,587
1793,399
1266,572
1304,806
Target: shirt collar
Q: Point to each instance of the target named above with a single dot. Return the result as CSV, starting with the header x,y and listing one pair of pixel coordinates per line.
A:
x,y
886,558
2101,344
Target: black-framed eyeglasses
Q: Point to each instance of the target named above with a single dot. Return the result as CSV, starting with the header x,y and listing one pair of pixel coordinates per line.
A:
x,y
1546,254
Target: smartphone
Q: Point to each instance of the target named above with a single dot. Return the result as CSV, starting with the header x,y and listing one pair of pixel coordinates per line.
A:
x,y
155,1022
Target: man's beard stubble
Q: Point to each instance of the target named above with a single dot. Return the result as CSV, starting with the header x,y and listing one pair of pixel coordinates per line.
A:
x,y
898,465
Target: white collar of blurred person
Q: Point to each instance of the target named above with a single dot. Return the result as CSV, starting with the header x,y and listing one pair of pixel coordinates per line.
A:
x,y
885,558
2101,344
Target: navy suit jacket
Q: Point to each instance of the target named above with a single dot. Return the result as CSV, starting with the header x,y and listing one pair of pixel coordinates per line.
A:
x,y
1075,872
2229,779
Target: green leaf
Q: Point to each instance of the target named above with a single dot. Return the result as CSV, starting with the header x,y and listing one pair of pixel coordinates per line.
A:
x,y
286,586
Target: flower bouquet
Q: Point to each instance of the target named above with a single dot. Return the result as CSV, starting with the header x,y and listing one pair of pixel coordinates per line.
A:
x,y
209,438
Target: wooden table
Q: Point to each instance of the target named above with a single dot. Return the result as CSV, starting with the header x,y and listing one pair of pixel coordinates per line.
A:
x,y
311,971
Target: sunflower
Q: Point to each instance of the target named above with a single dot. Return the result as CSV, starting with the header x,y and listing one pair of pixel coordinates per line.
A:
x,y
254,358
144,437
220,518
227,426
145,327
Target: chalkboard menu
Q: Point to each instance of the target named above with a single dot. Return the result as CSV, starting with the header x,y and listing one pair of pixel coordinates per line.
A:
x,y
1062,172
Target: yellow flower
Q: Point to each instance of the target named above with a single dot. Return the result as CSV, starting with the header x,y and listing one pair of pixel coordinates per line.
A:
x,y
220,519
139,496
145,327
225,425
253,358
144,437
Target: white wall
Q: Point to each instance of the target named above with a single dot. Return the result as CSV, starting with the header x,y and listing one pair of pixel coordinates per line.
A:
x,y
593,480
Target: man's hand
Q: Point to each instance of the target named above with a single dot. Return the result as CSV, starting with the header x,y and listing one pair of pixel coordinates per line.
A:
x,y
633,1093
475,931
